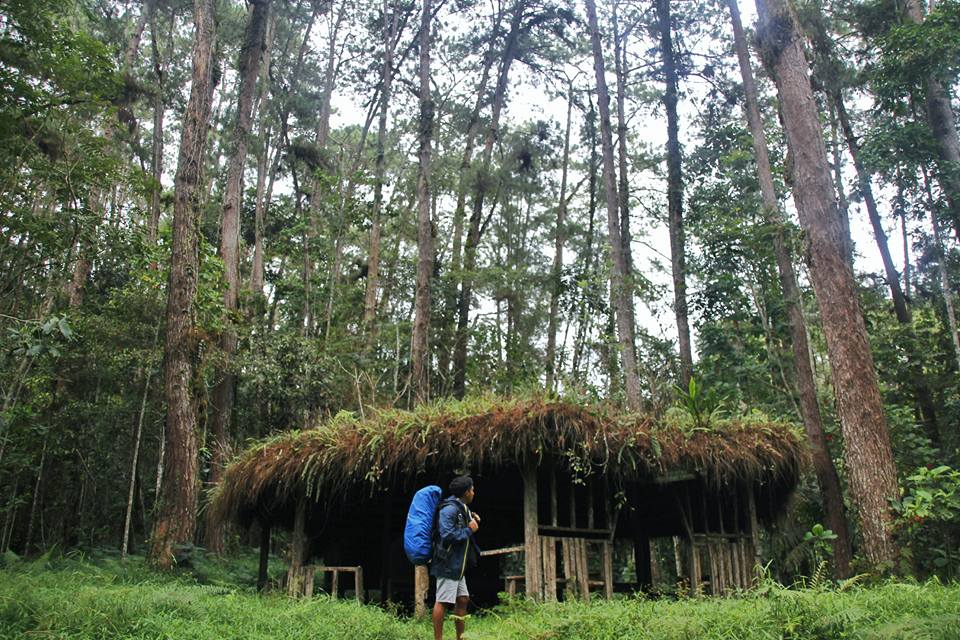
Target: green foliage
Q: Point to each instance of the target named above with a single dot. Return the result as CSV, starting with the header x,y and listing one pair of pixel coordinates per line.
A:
x,y
929,519
697,410
64,598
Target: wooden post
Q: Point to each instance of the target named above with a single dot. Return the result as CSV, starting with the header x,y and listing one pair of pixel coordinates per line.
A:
x,y
421,584
583,569
549,568
334,584
358,584
533,574
754,531
309,573
608,569
298,550
262,576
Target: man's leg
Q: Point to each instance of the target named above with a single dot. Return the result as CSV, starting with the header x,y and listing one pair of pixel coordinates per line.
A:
x,y
439,611
460,610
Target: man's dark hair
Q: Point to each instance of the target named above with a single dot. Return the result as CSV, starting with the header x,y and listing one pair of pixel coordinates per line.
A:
x,y
460,485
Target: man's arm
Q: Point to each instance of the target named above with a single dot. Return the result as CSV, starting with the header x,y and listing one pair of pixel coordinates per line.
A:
x,y
447,525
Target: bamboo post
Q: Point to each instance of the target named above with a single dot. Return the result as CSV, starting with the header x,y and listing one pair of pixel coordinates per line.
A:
x,y
533,575
421,584
262,576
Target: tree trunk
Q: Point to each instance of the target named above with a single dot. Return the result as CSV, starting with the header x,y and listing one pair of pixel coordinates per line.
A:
x,y
419,354
156,163
945,287
675,193
316,200
448,327
621,296
826,472
943,127
177,517
263,156
476,225
251,52
373,262
559,238
920,387
872,474
623,185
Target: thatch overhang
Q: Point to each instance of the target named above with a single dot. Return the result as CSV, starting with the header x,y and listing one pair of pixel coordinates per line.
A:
x,y
391,448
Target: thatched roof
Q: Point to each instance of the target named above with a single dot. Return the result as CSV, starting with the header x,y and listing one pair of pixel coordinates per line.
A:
x,y
488,433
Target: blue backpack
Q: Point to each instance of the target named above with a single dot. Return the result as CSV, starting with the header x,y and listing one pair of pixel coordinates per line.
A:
x,y
421,520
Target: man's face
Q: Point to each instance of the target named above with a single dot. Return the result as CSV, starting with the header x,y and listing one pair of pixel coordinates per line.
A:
x,y
468,496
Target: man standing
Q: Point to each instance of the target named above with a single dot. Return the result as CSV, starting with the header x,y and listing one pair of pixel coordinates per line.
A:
x,y
453,549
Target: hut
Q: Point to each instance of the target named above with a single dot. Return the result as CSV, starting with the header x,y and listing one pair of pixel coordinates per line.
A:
x,y
560,486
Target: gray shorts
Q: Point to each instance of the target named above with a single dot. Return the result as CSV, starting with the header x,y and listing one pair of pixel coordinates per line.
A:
x,y
448,590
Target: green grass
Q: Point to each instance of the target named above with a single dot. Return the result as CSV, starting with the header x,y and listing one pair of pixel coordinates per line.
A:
x,y
103,598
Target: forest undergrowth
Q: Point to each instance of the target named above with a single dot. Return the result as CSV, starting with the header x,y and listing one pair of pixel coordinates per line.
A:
x,y
104,598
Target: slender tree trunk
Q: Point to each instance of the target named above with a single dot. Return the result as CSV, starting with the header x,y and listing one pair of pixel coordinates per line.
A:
x,y
251,53
476,225
675,193
945,287
623,185
373,262
584,319
621,296
419,354
826,472
128,516
843,205
177,517
944,129
35,503
263,155
920,387
448,327
316,200
159,106
872,474
559,238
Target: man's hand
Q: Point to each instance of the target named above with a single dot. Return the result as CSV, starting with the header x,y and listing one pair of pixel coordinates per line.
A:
x,y
474,525
476,516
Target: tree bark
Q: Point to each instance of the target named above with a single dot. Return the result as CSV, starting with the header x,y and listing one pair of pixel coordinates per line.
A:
x,y
902,311
827,478
559,238
675,193
622,297
419,355
177,517
251,52
872,474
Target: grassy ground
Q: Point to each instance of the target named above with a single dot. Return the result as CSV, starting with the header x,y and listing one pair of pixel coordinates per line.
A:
x,y
107,599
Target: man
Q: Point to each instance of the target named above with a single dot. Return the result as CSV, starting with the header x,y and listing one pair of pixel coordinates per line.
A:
x,y
452,550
